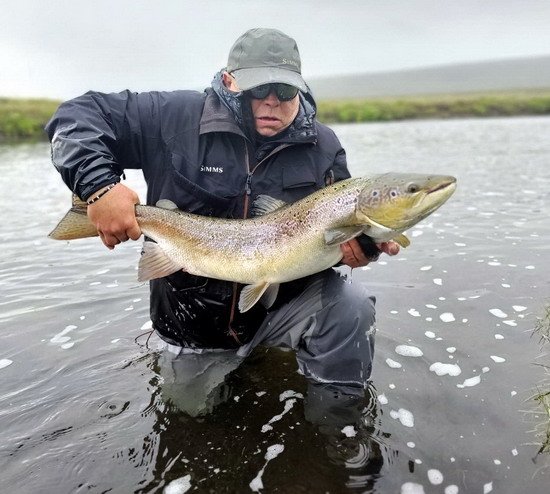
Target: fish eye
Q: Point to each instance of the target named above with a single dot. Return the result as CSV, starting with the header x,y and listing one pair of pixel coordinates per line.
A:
x,y
393,193
412,188
374,193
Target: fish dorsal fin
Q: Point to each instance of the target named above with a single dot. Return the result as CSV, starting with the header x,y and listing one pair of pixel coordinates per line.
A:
x,y
167,204
154,263
264,204
402,240
336,236
250,294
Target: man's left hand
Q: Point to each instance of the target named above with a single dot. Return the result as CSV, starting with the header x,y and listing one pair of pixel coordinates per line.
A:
x,y
354,257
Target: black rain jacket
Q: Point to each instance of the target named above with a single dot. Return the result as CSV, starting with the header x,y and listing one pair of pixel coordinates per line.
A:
x,y
193,152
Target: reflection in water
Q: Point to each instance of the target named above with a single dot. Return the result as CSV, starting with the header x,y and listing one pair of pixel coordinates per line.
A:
x,y
236,422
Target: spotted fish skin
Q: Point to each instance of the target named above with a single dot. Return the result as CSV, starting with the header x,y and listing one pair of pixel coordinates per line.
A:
x,y
290,242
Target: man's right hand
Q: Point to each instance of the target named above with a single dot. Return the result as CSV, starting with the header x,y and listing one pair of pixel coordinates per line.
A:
x,y
114,216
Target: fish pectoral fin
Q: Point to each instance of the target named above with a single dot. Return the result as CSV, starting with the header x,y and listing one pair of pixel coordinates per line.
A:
x,y
269,296
264,204
402,240
154,263
336,236
250,294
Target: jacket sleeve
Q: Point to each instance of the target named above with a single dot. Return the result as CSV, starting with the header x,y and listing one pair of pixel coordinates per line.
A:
x,y
96,136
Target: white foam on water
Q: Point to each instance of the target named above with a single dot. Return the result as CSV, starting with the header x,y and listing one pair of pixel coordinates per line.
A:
x,y
410,444
435,476
66,346
147,325
447,317
382,399
497,461
288,406
498,313
408,351
429,319
429,334
425,268
513,393
485,369
103,271
404,416
515,452
5,362
272,452
468,383
498,336
414,312
530,267
438,281
260,393
505,285
412,488
498,360
178,486
451,349
391,386
488,488
349,431
393,364
510,322
431,306
116,340
451,489
519,308
289,393
129,308
445,369
60,337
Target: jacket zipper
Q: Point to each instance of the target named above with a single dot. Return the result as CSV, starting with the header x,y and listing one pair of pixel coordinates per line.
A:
x,y
248,193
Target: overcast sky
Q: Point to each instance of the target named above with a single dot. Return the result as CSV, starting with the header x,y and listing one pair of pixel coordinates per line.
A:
x,y
60,48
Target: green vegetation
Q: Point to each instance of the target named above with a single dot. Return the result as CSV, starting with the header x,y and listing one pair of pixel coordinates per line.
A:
x,y
542,396
442,106
24,118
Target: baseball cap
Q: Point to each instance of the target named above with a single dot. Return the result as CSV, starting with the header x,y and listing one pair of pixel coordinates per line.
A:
x,y
262,56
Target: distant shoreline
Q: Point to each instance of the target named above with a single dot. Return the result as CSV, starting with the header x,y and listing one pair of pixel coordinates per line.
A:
x,y
23,120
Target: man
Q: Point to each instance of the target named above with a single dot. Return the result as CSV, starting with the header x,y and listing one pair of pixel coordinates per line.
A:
x,y
252,132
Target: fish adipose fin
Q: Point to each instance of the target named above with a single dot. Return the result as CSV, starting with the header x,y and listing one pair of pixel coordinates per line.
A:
x,y
264,204
168,204
336,236
250,294
154,263
75,224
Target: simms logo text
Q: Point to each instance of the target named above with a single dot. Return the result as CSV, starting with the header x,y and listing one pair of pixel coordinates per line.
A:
x,y
212,169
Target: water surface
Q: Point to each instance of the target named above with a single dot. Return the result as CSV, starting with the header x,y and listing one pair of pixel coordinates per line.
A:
x,y
450,408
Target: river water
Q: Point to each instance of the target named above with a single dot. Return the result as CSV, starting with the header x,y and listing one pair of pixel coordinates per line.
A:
x,y
450,408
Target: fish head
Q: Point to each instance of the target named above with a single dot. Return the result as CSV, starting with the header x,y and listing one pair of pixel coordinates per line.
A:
x,y
398,201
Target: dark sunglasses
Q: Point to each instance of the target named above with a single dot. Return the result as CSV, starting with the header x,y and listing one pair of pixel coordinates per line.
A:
x,y
284,92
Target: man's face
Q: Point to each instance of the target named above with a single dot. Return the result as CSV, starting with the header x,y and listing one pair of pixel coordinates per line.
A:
x,y
271,115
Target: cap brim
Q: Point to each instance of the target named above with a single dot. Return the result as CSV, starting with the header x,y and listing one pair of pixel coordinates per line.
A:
x,y
250,78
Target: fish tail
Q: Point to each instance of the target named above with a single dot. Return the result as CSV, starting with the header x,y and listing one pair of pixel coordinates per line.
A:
x,y
75,224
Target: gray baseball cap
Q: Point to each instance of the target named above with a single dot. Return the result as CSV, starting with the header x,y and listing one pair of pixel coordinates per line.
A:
x,y
261,56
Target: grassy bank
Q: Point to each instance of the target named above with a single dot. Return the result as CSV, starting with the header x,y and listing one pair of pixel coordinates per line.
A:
x,y
445,106
24,119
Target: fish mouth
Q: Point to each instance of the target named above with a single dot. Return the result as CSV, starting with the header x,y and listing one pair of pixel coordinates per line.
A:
x,y
450,182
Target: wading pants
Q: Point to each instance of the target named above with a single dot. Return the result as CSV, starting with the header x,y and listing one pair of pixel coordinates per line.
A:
x,y
330,326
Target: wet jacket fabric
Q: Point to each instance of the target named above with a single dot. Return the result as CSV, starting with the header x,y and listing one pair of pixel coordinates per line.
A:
x,y
194,151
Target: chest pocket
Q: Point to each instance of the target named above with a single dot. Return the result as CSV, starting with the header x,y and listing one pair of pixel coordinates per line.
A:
x,y
196,193
298,182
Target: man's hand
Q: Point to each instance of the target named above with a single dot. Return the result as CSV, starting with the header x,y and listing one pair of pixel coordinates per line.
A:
x,y
114,216
354,257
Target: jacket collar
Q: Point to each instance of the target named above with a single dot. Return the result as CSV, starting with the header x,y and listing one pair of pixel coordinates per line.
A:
x,y
222,112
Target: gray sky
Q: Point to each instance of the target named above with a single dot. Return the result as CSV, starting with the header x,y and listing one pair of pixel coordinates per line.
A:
x,y
60,48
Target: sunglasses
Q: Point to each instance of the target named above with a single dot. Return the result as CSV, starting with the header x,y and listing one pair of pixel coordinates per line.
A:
x,y
284,92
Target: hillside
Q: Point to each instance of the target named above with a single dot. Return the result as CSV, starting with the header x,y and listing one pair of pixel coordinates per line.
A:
x,y
499,75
